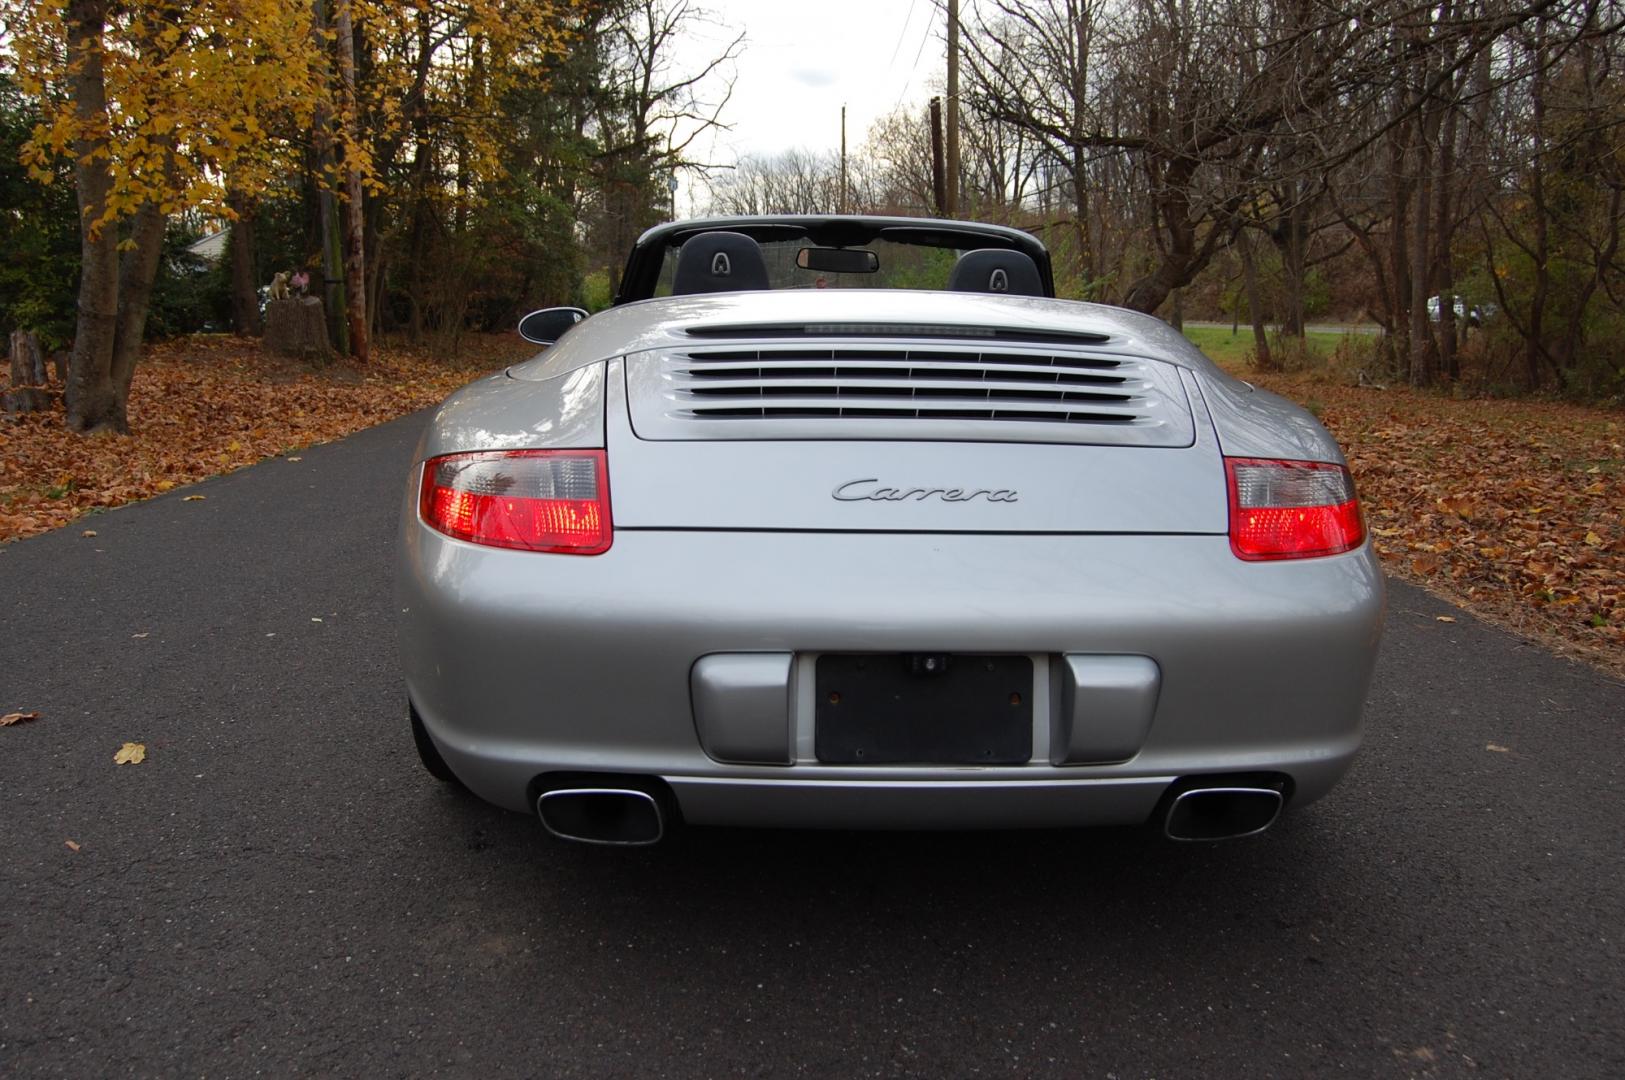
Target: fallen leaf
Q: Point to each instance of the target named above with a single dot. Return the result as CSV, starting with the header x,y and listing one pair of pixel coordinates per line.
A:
x,y
1498,748
17,718
1444,618
73,845
1426,564
194,498
1457,505
88,532
1594,540
131,753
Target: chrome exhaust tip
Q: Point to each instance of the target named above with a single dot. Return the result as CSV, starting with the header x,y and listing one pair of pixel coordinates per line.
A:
x,y
1222,813
621,817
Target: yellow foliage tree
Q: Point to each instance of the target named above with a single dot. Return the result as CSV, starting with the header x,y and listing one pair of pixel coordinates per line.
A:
x,y
156,102
423,83
445,64
163,105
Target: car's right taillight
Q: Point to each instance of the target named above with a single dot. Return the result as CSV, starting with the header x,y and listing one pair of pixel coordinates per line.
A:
x,y
533,500
1291,509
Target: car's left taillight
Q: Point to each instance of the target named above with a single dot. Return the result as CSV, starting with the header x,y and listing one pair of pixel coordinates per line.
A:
x,y
531,500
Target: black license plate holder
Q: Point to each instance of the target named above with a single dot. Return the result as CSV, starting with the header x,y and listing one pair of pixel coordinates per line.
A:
x,y
923,709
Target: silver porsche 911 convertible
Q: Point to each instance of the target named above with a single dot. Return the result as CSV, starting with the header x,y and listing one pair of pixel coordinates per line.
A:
x,y
847,522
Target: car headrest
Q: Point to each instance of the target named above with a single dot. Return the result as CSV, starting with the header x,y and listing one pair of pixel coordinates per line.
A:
x,y
995,270
719,262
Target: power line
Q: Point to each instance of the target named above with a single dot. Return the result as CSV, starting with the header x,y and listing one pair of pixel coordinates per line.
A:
x,y
902,33
925,37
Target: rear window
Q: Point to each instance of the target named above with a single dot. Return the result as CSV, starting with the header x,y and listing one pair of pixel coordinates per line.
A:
x,y
902,266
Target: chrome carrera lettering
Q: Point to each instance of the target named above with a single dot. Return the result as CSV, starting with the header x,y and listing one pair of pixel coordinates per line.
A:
x,y
854,491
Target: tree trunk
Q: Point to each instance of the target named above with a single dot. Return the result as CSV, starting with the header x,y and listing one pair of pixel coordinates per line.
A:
x,y
1180,257
327,205
245,297
297,327
136,278
1443,237
1080,162
27,362
1294,260
1255,308
92,400
1421,355
27,393
1534,338
355,273
113,299
1399,277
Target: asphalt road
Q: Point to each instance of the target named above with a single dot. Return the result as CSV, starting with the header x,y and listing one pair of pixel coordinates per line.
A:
x,y
279,889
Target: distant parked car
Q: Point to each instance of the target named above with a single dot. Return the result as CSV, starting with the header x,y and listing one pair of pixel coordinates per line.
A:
x,y
1473,315
924,548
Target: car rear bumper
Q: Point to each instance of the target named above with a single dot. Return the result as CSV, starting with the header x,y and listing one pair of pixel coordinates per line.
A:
x,y
523,664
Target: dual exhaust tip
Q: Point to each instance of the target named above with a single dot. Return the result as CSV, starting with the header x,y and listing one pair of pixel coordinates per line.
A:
x,y
634,817
1222,812
614,816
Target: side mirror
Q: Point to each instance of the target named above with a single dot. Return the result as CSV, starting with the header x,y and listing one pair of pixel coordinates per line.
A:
x,y
546,326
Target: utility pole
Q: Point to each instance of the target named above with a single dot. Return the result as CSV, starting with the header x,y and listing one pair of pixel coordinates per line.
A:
x,y
843,159
951,203
939,182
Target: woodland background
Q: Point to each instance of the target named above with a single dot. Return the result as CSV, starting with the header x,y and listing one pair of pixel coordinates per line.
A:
x,y
1450,174
1450,171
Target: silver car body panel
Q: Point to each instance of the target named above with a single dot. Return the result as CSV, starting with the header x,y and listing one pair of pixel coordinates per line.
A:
x,y
1256,423
565,412
865,485
521,665
1157,654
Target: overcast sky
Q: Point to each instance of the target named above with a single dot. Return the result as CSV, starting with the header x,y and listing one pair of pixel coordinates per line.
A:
x,y
804,59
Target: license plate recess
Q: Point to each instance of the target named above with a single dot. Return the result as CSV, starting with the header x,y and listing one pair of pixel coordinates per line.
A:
x,y
923,709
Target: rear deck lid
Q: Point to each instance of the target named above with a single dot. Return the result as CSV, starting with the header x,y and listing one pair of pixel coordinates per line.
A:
x,y
854,434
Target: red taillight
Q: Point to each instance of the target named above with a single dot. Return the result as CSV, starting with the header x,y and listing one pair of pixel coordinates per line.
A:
x,y
1291,509
534,500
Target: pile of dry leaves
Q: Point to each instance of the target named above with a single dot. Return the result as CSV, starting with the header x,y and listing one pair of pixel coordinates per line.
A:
x,y
1513,509
211,404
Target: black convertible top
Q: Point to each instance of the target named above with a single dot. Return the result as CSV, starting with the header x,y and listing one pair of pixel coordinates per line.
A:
x,y
844,230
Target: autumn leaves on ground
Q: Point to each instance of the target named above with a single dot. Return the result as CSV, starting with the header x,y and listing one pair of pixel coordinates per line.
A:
x,y
212,404
1513,509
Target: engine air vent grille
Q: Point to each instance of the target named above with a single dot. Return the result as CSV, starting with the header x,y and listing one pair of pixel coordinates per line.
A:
x,y
927,390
